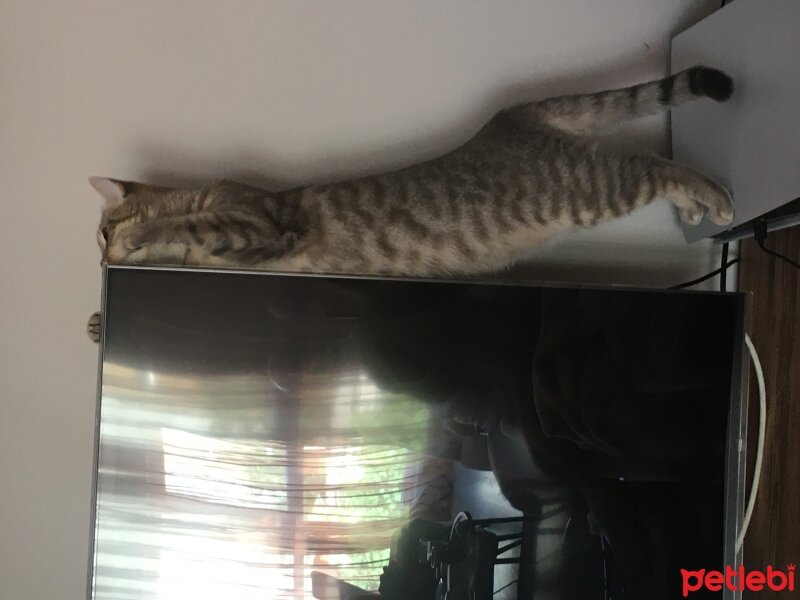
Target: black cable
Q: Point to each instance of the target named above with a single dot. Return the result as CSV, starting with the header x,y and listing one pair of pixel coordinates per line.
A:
x,y
504,587
723,274
760,235
707,276
795,264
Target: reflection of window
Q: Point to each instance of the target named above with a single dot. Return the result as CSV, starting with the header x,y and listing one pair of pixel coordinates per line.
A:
x,y
283,510
225,471
230,488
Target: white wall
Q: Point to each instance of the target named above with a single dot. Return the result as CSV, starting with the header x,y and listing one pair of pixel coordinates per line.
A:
x,y
272,93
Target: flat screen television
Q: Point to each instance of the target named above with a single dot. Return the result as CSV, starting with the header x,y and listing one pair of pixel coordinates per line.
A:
x,y
280,437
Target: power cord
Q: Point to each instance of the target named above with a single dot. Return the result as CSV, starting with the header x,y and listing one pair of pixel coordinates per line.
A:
x,y
796,265
762,430
760,236
508,585
722,269
723,274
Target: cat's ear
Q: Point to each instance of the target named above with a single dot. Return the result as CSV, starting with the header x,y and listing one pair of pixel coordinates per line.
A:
x,y
112,190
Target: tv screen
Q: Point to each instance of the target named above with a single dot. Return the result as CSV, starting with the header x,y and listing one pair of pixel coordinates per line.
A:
x,y
291,437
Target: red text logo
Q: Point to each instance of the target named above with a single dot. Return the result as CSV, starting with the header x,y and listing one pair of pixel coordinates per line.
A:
x,y
738,580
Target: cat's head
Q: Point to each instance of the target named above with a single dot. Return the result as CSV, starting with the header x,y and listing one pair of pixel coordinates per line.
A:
x,y
127,205
210,225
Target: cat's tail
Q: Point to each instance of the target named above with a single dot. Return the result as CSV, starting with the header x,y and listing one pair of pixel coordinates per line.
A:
x,y
584,112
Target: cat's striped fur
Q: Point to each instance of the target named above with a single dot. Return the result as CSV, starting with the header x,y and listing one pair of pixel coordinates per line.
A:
x,y
529,173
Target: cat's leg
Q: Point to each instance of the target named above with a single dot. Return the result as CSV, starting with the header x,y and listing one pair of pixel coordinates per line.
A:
x,y
691,192
583,112
93,327
210,239
595,185
606,186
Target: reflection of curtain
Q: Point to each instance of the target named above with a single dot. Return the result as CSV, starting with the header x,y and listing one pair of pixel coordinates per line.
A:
x,y
239,487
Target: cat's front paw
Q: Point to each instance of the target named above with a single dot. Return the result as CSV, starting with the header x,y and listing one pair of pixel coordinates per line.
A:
x,y
93,327
691,215
722,212
715,200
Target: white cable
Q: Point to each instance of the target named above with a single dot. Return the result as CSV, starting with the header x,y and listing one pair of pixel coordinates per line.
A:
x,y
762,430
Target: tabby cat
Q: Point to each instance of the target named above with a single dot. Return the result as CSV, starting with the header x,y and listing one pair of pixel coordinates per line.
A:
x,y
530,173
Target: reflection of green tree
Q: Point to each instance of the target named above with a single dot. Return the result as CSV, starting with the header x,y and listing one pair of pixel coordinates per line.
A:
x,y
396,419
390,432
382,504
381,438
